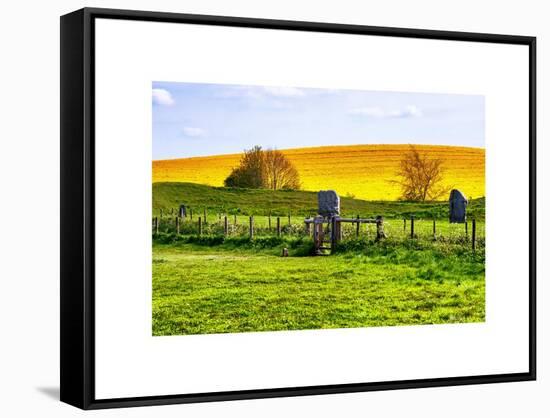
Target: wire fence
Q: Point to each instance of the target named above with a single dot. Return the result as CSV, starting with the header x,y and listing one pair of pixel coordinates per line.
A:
x,y
218,224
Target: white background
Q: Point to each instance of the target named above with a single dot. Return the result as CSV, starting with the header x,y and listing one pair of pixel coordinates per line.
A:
x,y
29,177
129,55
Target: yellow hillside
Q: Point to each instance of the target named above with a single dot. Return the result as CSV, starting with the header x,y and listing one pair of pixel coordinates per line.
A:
x,y
364,171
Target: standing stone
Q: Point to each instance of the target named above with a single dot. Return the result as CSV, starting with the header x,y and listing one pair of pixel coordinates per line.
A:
x,y
183,211
457,207
329,203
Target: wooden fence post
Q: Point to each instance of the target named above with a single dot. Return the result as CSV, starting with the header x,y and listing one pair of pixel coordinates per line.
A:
x,y
205,220
357,227
412,226
161,212
235,220
466,228
333,234
289,218
318,234
278,226
434,231
200,225
191,214
251,227
177,225
315,234
473,235
404,225
380,233
308,228
225,225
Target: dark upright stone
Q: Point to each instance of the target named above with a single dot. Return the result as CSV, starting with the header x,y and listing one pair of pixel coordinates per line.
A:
x,y
457,207
183,211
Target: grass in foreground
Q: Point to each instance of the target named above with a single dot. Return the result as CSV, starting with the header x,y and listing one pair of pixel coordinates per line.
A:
x,y
233,288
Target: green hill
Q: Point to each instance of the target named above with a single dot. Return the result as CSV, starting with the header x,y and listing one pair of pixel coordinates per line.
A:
x,y
168,196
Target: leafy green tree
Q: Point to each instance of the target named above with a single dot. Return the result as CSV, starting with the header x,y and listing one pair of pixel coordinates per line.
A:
x,y
259,169
250,173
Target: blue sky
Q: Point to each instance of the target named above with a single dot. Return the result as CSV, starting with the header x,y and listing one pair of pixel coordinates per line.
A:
x,y
194,119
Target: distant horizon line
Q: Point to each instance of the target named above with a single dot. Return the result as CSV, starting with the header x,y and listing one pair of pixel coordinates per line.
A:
x,y
323,146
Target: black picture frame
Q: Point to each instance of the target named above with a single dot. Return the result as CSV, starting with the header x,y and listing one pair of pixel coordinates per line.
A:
x,y
77,207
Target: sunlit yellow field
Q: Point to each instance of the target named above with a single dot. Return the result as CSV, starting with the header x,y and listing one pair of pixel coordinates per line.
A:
x,y
363,171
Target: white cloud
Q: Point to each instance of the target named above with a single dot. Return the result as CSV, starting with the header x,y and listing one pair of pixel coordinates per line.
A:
x,y
412,111
163,97
193,132
380,113
261,92
284,91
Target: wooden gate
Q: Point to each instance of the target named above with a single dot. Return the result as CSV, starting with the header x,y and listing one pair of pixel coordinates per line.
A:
x,y
327,231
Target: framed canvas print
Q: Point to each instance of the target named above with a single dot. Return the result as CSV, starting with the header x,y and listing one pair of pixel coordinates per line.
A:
x,y
258,208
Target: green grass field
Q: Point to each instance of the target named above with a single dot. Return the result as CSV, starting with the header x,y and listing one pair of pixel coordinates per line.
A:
x,y
201,289
217,284
259,202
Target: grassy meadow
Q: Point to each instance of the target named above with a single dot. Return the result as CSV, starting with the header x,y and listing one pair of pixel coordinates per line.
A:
x,y
360,171
260,203
199,289
224,284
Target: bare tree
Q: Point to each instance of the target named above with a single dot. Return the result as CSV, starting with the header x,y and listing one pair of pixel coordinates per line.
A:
x,y
421,177
280,172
